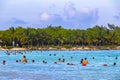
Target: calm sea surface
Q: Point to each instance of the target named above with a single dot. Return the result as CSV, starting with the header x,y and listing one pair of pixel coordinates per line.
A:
x,y
61,71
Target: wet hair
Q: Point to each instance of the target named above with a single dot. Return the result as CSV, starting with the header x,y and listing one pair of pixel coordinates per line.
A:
x,y
59,59
24,56
85,58
33,61
43,61
114,63
16,60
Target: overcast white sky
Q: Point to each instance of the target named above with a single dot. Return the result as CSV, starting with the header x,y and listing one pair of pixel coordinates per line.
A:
x,y
80,14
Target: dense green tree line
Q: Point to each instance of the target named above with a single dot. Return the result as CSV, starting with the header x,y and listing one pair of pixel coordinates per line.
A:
x,y
58,36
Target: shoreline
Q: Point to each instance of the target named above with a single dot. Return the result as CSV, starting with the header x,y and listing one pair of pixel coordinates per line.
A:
x,y
73,48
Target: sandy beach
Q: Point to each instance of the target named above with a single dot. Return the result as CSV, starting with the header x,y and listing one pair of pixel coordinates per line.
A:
x,y
19,49
63,48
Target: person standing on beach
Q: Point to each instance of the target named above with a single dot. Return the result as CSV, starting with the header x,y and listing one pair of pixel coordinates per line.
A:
x,y
85,62
24,59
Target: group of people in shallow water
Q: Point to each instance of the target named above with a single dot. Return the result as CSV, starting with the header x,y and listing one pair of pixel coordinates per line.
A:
x,y
83,62
23,60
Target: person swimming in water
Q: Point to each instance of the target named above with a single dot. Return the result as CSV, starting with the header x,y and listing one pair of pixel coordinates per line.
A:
x,y
49,54
33,61
54,54
81,61
70,64
24,59
45,62
85,62
116,57
55,62
114,64
4,62
63,60
59,60
71,57
16,60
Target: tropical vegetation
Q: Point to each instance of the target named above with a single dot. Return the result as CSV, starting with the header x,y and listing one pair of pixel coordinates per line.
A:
x,y
58,36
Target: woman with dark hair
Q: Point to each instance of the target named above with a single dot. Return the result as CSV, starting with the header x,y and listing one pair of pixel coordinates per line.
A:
x,y
24,59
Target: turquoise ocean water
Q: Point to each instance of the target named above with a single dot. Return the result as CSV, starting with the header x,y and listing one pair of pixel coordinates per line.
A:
x,y
60,71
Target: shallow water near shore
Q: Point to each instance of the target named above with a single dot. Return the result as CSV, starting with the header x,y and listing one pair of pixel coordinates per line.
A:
x,y
60,71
